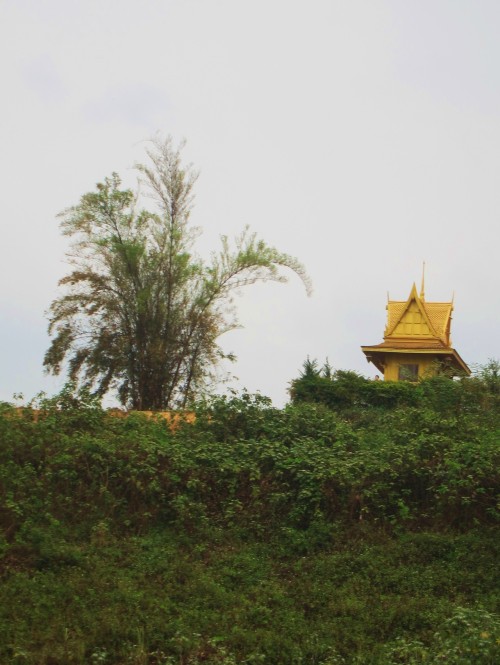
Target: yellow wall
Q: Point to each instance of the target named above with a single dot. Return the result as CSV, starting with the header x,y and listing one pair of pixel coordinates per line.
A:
x,y
393,361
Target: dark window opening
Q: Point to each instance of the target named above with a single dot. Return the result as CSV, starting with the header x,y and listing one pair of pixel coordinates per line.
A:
x,y
408,373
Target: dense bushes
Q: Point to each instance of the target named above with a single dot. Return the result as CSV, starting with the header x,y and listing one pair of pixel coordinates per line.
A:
x,y
246,461
206,540
347,392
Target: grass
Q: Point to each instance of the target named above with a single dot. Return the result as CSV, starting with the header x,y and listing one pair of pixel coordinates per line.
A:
x,y
166,598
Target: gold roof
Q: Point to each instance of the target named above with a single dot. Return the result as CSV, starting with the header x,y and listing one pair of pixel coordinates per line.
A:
x,y
418,320
439,314
416,326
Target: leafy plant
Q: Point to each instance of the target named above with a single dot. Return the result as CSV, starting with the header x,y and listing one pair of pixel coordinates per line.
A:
x,y
141,313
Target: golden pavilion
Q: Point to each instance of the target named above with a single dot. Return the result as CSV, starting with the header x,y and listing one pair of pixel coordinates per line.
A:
x,y
417,340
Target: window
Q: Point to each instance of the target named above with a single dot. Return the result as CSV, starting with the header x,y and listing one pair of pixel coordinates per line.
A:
x,y
408,373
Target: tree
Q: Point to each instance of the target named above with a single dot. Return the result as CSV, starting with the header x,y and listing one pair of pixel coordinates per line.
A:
x,y
141,313
489,374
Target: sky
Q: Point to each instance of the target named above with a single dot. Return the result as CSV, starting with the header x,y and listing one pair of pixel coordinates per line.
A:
x,y
361,136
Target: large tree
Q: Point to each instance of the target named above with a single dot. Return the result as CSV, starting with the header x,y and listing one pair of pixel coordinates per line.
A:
x,y
140,312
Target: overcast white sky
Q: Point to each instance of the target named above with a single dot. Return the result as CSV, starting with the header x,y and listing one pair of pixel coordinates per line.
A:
x,y
362,136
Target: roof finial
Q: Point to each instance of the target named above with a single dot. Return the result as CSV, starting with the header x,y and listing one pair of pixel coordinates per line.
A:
x,y
422,287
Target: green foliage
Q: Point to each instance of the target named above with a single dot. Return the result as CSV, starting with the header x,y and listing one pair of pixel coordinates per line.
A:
x,y
355,396
364,534
489,375
141,313
346,390
469,636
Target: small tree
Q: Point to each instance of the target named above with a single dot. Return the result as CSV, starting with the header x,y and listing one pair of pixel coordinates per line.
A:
x,y
141,313
489,374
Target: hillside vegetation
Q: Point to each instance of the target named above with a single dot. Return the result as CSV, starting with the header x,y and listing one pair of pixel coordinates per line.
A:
x,y
357,525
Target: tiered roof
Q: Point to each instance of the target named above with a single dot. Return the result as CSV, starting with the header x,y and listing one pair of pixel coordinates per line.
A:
x,y
416,326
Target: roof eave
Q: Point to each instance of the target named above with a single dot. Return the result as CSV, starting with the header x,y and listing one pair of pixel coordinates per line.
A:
x,y
374,353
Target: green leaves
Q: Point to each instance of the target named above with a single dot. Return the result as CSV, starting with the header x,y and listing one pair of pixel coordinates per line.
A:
x,y
141,314
254,534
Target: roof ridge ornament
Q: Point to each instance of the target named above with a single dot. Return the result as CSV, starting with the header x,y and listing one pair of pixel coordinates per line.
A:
x,y
422,287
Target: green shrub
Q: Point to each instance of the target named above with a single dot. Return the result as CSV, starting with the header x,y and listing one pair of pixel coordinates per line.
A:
x,y
296,535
